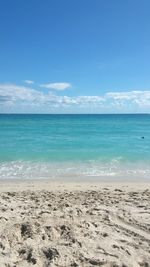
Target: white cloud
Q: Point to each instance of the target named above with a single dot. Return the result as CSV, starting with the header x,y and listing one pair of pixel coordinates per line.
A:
x,y
21,95
56,86
29,81
34,100
130,95
14,92
141,98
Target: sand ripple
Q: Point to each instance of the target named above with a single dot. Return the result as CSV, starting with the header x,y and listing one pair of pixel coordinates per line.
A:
x,y
95,227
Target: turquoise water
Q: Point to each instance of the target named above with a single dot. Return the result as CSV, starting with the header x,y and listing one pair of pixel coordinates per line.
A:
x,y
51,146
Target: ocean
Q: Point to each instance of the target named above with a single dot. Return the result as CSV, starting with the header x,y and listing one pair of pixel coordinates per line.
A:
x,y
75,147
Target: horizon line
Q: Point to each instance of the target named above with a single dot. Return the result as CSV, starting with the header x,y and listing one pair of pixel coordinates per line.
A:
x,y
75,113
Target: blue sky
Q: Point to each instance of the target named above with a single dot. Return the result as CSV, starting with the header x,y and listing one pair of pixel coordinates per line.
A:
x,y
74,56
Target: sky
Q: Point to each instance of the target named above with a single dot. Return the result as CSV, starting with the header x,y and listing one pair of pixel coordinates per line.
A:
x,y
74,56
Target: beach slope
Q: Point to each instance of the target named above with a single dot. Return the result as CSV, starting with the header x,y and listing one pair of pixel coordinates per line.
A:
x,y
59,224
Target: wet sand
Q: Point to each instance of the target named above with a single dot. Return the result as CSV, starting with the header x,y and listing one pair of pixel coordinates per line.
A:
x,y
74,224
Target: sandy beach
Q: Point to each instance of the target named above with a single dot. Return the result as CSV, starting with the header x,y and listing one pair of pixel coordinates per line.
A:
x,y
67,224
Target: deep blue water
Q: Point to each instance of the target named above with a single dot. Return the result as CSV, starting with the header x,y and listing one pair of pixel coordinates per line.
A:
x,y
43,146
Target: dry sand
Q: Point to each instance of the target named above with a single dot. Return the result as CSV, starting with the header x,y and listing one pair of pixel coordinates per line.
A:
x,y
55,224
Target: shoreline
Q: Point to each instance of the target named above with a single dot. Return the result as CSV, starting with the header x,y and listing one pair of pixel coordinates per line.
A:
x,y
52,185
